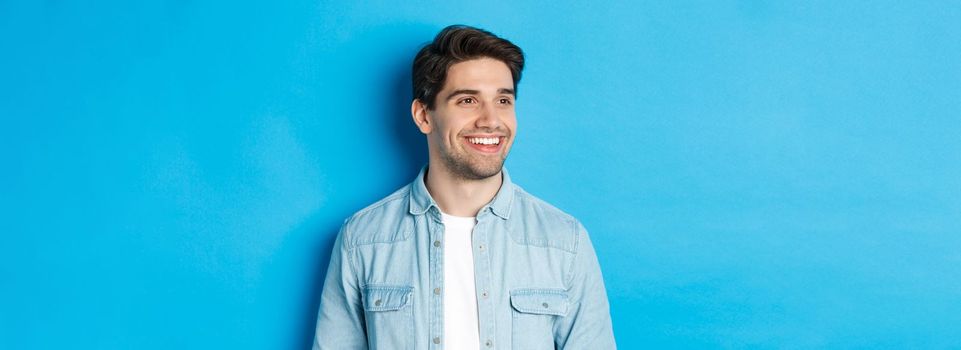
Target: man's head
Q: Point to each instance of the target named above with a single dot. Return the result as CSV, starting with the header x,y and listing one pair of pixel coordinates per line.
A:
x,y
465,84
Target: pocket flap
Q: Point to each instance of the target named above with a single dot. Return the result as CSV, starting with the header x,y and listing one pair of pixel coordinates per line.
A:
x,y
540,301
386,298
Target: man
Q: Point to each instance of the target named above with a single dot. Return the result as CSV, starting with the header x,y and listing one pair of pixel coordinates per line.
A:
x,y
462,258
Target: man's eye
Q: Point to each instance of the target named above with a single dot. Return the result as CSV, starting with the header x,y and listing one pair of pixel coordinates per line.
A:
x,y
468,100
505,101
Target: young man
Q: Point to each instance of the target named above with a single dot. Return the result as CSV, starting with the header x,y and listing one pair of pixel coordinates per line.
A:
x,y
462,258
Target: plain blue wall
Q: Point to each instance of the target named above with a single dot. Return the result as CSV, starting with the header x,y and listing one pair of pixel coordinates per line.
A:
x,y
754,174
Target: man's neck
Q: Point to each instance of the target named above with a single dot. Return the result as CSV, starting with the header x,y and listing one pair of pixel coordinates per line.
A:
x,y
460,197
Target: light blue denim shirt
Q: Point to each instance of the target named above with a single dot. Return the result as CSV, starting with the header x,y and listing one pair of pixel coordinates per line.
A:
x,y
539,285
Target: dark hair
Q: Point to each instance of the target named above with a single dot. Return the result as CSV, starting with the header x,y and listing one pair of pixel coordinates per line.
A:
x,y
455,44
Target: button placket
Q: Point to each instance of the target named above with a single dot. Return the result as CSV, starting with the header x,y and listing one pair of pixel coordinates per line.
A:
x,y
437,280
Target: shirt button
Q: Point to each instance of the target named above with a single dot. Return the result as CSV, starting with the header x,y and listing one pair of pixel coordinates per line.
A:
x,y
489,343
437,291
482,247
378,302
544,305
484,294
437,243
436,340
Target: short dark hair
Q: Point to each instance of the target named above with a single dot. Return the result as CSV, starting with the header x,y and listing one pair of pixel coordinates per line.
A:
x,y
455,44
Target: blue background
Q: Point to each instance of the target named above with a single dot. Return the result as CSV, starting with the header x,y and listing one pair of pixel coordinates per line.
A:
x,y
753,174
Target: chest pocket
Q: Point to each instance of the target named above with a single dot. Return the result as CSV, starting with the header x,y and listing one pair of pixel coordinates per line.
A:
x,y
534,313
389,316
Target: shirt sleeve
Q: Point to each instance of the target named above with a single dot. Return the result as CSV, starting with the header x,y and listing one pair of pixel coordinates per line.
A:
x,y
588,321
340,320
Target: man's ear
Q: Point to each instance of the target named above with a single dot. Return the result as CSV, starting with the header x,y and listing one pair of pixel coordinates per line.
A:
x,y
418,111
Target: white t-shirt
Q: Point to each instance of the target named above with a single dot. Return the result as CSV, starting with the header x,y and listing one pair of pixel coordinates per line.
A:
x,y
461,329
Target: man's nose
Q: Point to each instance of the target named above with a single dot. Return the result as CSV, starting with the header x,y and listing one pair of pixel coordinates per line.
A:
x,y
488,117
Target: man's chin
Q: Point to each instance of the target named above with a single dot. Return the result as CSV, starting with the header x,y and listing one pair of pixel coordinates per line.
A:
x,y
483,172
473,168
487,175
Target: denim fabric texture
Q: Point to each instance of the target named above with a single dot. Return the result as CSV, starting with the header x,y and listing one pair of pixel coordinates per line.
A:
x,y
538,281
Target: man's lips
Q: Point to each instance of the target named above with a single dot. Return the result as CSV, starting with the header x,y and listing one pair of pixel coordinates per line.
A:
x,y
485,143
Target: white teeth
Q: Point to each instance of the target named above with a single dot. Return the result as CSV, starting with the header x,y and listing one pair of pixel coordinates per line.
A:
x,y
485,140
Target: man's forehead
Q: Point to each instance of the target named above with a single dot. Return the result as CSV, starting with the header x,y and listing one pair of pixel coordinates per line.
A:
x,y
479,74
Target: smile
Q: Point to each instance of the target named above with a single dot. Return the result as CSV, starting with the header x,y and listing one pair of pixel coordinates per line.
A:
x,y
485,145
484,140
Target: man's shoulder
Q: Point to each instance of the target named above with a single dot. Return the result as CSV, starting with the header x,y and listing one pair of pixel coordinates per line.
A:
x,y
395,202
530,205
384,221
540,223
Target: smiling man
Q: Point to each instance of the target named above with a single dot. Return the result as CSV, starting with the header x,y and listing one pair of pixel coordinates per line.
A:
x,y
462,258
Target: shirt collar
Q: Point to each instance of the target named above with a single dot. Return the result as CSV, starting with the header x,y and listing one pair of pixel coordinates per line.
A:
x,y
421,201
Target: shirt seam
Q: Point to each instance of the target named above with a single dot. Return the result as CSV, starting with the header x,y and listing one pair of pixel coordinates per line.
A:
x,y
576,252
352,242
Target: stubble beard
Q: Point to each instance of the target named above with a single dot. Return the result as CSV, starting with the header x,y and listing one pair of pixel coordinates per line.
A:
x,y
464,167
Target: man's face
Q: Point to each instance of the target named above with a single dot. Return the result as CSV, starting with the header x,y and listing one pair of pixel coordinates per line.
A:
x,y
473,121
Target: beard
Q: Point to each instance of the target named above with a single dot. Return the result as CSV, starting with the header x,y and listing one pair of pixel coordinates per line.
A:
x,y
465,166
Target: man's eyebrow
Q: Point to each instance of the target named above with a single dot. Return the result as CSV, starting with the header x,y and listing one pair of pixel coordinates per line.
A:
x,y
461,92
506,91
